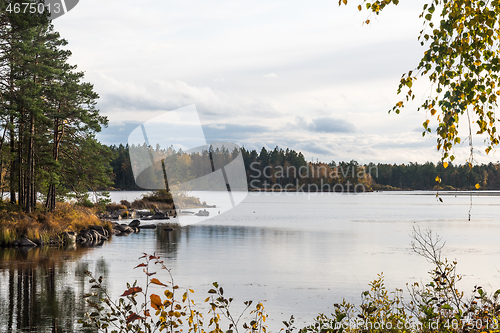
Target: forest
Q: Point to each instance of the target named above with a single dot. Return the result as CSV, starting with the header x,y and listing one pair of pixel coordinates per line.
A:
x,y
280,167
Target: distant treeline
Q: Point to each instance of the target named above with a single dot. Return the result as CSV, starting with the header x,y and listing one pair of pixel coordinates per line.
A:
x,y
288,169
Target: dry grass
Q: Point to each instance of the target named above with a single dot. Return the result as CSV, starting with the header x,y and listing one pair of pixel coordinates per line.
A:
x,y
146,204
112,207
45,226
163,200
125,203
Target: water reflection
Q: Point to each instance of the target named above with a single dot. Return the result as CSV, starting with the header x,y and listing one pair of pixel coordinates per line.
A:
x,y
167,241
41,290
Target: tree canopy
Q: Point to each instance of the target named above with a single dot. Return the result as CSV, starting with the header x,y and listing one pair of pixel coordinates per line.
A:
x,y
462,63
48,115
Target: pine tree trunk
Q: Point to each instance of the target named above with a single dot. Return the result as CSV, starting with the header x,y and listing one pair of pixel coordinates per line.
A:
x,y
21,190
13,170
30,177
51,195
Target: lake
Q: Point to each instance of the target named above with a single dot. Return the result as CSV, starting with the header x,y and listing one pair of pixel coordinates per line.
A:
x,y
298,252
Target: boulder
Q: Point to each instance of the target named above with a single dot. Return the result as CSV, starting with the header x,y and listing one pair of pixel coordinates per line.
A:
x,y
90,236
69,237
80,239
25,242
134,224
100,230
115,216
123,229
147,226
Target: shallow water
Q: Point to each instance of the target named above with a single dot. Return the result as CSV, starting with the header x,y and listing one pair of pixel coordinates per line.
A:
x,y
299,252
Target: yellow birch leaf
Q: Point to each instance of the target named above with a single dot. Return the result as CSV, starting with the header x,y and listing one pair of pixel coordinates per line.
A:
x,y
156,302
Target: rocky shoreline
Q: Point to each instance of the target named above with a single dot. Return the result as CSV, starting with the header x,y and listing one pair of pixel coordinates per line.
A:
x,y
96,235
92,236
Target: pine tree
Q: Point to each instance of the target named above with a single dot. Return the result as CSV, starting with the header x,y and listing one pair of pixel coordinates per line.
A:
x,y
50,114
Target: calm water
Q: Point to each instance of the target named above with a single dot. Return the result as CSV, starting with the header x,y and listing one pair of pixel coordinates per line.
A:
x,y
300,253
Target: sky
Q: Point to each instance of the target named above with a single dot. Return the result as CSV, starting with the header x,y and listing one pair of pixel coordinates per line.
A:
x,y
304,75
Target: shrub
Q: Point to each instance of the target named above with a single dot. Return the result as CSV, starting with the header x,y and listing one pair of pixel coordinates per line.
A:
x,y
171,313
125,203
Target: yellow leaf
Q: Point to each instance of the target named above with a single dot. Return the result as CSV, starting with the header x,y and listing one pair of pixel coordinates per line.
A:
x,y
367,22
359,7
156,302
157,282
433,112
478,186
345,2
438,179
445,164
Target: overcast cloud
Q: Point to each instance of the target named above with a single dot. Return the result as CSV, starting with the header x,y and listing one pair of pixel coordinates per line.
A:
x,y
301,75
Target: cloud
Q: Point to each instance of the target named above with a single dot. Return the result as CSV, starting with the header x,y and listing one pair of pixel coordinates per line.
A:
x,y
327,125
225,60
127,101
117,132
271,76
315,148
398,143
216,132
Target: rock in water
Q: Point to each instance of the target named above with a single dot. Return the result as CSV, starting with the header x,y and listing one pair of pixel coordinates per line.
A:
x,y
134,224
147,226
69,237
26,242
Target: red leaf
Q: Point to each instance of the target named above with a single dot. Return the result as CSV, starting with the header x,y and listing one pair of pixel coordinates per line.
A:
x,y
133,316
132,291
141,265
